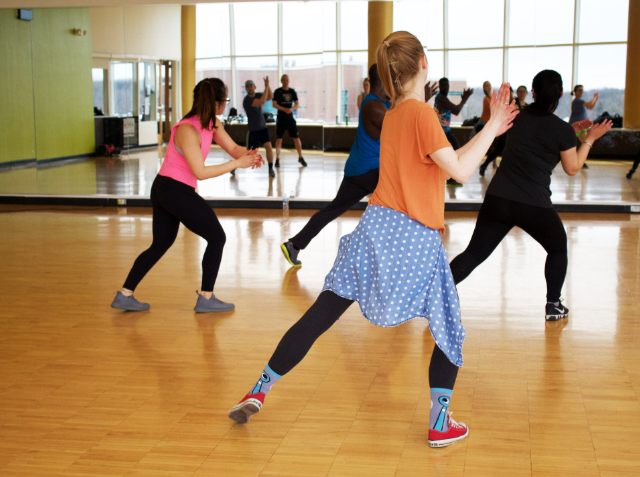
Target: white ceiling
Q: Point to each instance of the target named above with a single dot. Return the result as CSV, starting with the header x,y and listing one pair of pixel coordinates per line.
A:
x,y
106,3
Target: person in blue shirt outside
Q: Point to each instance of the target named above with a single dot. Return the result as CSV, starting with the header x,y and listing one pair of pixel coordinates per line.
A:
x,y
445,109
258,132
361,170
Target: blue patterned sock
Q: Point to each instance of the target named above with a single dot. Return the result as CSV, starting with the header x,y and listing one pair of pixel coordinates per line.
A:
x,y
267,379
440,400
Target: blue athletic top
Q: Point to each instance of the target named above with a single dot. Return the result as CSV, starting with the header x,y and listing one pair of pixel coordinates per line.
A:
x,y
445,115
365,152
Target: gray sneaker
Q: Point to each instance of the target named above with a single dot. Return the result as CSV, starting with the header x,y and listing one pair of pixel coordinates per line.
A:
x,y
212,305
128,303
290,253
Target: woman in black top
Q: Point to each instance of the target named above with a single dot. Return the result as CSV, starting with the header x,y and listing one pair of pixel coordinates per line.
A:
x,y
521,95
519,194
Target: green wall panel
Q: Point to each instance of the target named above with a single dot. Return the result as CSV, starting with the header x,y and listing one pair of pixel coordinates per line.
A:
x,y
16,89
62,82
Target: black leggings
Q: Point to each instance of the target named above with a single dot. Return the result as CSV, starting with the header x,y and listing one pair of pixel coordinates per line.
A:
x,y
326,310
351,191
496,218
174,202
496,150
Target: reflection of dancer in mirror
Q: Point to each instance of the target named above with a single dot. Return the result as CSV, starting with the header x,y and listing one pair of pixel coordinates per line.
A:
x,y
366,87
285,100
519,194
496,148
360,171
636,163
394,264
258,131
175,200
445,109
579,107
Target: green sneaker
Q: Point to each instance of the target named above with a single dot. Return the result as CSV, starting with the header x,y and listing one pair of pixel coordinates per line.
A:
x,y
290,253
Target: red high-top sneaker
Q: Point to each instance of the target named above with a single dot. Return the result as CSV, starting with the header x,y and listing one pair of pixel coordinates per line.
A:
x,y
456,432
250,405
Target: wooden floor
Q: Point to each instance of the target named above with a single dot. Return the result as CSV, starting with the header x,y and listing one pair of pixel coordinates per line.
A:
x,y
88,390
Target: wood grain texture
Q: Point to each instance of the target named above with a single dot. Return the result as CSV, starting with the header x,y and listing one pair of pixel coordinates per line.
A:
x,y
88,390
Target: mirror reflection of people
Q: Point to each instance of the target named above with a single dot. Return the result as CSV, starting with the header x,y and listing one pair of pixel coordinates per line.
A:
x,y
446,109
366,87
521,96
579,106
519,194
258,131
285,100
175,200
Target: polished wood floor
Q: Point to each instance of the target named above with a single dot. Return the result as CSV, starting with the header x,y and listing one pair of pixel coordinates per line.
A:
x,y
88,390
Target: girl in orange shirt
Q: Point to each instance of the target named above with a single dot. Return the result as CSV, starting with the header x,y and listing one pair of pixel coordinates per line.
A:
x,y
394,264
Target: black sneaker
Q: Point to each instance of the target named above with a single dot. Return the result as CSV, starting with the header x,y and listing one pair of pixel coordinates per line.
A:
x,y
554,312
584,166
483,169
272,173
630,174
302,162
453,183
233,173
277,164
290,253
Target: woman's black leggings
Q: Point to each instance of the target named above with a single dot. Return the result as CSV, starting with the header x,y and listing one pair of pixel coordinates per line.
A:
x,y
326,310
174,202
496,218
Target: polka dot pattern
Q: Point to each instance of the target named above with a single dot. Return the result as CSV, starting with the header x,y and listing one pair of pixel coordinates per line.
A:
x,y
397,269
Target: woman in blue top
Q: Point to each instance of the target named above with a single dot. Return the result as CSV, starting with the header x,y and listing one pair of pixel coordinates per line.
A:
x,y
361,171
579,106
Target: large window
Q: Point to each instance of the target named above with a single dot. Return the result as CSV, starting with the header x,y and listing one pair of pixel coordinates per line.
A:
x,y
323,47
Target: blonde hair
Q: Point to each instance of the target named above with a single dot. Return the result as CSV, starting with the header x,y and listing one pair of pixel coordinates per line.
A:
x,y
398,59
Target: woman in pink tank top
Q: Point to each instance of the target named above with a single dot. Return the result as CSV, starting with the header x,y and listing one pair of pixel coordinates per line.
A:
x,y
175,200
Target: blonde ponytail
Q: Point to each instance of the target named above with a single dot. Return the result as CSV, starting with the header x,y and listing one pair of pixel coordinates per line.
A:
x,y
398,58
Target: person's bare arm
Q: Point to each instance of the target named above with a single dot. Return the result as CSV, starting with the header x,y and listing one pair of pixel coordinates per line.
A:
x,y
445,103
188,140
505,127
592,104
260,101
372,118
359,100
461,165
278,107
296,105
573,159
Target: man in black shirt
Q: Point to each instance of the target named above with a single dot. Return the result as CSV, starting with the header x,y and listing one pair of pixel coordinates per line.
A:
x,y
285,100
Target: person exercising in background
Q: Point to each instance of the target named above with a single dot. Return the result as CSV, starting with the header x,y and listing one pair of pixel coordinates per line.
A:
x,y
258,131
366,87
521,96
285,100
445,109
579,108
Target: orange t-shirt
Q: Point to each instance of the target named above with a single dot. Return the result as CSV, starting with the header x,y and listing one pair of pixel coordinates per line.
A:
x,y
486,109
410,182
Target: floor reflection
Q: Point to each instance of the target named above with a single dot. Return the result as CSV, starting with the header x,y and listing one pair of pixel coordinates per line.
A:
x,y
132,176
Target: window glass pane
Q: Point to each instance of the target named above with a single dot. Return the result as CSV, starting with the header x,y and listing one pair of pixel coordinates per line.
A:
x,y
436,65
305,76
474,24
471,69
212,30
256,28
122,88
330,95
354,71
603,21
602,68
541,22
525,63
98,88
300,35
354,30
147,91
329,22
256,69
216,68
423,18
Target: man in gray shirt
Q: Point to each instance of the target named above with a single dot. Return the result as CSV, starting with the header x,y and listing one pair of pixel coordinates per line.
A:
x,y
258,132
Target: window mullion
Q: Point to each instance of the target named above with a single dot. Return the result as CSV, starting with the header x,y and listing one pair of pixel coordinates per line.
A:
x,y
232,46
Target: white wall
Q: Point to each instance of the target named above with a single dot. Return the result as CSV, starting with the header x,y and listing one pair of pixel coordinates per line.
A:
x,y
145,32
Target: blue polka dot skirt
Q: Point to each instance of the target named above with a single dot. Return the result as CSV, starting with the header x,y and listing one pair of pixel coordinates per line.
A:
x,y
397,269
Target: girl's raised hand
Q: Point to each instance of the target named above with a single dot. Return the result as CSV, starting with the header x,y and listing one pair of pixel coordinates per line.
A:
x,y
502,107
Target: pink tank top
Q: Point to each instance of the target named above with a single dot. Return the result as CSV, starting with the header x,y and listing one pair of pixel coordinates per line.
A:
x,y
175,165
